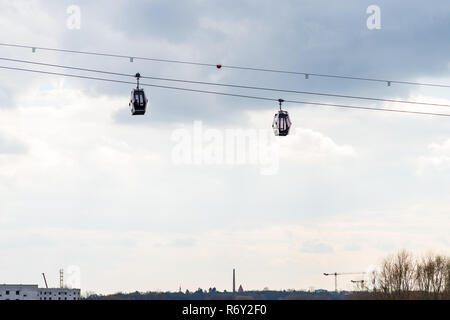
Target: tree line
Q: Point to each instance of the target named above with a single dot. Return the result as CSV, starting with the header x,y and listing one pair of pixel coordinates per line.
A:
x,y
399,276
405,276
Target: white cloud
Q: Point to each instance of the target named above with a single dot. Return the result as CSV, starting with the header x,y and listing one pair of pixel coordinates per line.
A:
x,y
437,158
307,144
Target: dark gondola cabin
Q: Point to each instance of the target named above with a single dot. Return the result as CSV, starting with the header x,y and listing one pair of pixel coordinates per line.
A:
x,y
138,102
281,122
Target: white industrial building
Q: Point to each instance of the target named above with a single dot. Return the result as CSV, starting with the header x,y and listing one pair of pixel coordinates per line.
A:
x,y
33,292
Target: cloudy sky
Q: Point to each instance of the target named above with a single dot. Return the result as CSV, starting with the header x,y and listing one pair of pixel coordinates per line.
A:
x,y
83,183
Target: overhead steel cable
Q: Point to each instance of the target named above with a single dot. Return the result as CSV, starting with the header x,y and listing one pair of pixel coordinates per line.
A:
x,y
34,48
306,74
229,94
236,86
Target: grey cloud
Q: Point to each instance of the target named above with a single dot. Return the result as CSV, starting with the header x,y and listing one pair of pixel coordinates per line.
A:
x,y
353,247
316,247
11,146
314,36
28,241
183,243
179,243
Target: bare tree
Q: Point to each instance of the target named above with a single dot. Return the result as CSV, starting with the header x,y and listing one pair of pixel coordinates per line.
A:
x,y
447,278
432,274
401,276
424,273
438,279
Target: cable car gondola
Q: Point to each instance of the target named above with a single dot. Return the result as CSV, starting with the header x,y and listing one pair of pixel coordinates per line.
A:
x,y
138,100
281,122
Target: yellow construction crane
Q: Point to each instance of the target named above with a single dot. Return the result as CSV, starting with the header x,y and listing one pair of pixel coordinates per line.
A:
x,y
336,274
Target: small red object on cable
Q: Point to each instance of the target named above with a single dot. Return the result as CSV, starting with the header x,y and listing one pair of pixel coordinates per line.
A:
x,y
219,66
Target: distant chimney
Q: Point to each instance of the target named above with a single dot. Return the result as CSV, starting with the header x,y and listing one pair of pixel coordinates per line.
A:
x,y
234,281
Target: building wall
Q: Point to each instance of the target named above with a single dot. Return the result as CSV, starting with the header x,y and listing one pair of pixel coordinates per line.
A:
x,y
59,294
19,292
32,292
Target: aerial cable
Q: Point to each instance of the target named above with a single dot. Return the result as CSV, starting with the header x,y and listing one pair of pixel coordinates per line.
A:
x,y
229,94
228,84
307,75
